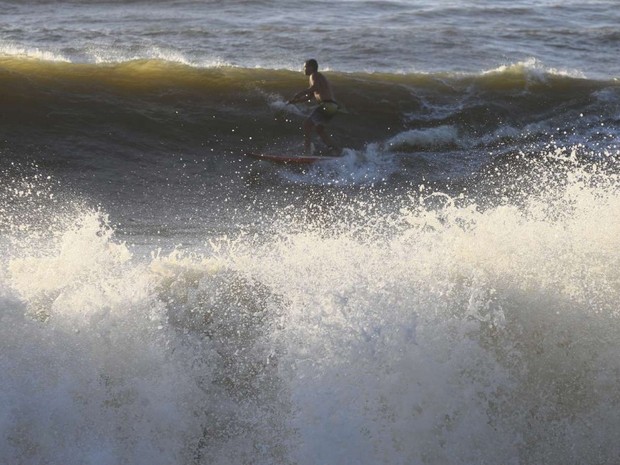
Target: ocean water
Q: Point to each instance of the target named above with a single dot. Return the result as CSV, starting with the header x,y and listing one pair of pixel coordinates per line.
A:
x,y
444,293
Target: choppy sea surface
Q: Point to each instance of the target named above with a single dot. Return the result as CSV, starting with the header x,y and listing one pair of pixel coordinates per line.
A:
x,y
446,292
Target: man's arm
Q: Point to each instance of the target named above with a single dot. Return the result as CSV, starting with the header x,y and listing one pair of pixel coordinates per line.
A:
x,y
301,96
305,94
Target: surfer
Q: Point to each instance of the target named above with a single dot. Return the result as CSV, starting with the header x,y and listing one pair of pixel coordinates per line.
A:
x,y
321,90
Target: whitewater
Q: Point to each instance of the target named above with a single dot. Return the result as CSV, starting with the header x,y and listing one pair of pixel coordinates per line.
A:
x,y
438,330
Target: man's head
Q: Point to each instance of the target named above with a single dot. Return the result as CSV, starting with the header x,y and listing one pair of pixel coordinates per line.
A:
x,y
311,66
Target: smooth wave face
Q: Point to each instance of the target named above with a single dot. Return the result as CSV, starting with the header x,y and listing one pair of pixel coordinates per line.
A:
x,y
155,106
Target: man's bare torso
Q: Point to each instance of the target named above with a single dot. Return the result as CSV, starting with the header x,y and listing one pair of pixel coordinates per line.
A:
x,y
320,87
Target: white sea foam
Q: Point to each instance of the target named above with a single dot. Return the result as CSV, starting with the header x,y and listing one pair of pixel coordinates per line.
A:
x,y
442,332
86,359
425,138
112,55
368,166
471,336
15,50
535,70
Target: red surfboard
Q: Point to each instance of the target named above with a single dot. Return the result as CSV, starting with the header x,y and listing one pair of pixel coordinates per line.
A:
x,y
293,160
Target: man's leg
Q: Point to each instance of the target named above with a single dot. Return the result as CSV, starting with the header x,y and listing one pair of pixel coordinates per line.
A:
x,y
320,129
308,127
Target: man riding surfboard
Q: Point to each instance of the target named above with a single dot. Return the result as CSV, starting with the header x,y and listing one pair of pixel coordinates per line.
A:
x,y
321,90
